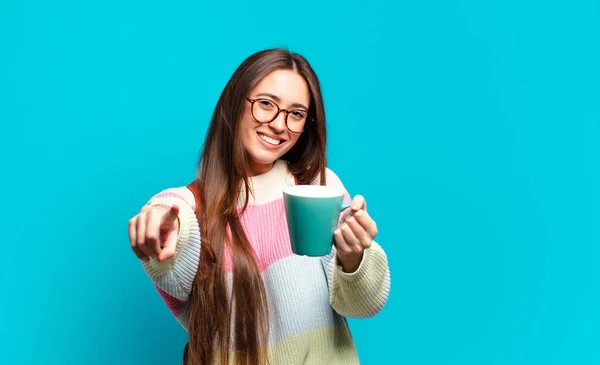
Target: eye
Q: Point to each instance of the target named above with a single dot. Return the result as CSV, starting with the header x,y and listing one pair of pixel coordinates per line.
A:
x,y
298,115
265,104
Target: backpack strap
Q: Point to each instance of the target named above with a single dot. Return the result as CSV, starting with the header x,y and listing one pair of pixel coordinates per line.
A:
x,y
193,186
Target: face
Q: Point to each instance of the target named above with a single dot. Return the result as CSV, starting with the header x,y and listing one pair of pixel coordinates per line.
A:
x,y
267,142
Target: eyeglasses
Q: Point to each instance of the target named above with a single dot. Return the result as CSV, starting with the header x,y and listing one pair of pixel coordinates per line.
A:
x,y
265,111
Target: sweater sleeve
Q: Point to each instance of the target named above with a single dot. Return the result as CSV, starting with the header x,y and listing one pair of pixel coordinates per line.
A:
x,y
173,278
365,292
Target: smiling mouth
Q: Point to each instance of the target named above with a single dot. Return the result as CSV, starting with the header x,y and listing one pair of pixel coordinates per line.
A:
x,y
269,140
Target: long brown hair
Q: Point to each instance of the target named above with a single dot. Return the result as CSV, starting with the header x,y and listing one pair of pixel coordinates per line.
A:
x,y
223,170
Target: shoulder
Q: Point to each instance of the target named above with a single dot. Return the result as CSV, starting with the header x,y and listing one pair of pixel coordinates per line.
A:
x,y
331,179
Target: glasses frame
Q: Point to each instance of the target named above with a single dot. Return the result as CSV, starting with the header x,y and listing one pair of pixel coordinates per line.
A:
x,y
286,112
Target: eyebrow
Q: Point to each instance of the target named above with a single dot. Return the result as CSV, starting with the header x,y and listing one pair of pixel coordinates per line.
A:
x,y
277,99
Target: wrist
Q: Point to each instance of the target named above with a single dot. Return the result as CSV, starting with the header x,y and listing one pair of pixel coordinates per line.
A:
x,y
350,263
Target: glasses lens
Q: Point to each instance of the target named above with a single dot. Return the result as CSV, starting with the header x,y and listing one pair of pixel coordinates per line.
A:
x,y
264,110
297,120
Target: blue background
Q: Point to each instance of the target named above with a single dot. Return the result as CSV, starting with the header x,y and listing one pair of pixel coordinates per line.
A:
x,y
472,128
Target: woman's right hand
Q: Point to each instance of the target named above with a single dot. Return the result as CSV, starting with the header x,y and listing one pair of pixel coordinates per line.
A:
x,y
154,231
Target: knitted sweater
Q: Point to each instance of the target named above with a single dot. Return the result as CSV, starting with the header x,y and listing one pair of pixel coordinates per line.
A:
x,y
308,298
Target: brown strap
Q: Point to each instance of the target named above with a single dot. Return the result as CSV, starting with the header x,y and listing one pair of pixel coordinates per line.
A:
x,y
193,186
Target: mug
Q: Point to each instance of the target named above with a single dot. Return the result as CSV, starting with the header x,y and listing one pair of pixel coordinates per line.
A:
x,y
312,213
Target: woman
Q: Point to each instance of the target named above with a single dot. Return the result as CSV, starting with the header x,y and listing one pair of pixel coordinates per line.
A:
x,y
223,263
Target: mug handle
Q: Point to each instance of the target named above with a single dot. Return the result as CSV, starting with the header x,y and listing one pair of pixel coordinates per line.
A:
x,y
345,206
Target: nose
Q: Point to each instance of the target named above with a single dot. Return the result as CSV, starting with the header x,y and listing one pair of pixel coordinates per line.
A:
x,y
278,124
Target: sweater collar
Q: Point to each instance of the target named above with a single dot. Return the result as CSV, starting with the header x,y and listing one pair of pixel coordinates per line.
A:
x,y
275,175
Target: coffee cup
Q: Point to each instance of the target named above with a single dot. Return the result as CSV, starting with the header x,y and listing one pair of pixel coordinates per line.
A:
x,y
312,213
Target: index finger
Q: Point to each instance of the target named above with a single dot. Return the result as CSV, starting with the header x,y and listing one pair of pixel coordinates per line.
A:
x,y
168,250
170,217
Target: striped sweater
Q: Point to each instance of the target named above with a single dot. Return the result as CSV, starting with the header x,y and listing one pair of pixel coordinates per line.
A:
x,y
309,298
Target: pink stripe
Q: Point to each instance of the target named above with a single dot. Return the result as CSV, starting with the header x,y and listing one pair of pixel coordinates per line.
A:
x,y
266,228
171,194
175,305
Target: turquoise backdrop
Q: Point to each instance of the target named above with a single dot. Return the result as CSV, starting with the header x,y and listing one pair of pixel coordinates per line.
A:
x,y
471,127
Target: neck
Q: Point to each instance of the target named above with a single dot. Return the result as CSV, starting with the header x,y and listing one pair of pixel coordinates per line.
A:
x,y
266,187
256,169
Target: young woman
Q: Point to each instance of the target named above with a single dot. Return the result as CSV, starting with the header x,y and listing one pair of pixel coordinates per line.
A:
x,y
221,258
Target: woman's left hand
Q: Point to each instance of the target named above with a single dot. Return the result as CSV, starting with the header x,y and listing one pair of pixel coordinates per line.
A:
x,y
355,233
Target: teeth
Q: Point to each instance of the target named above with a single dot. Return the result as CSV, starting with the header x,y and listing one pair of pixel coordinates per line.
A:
x,y
268,139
